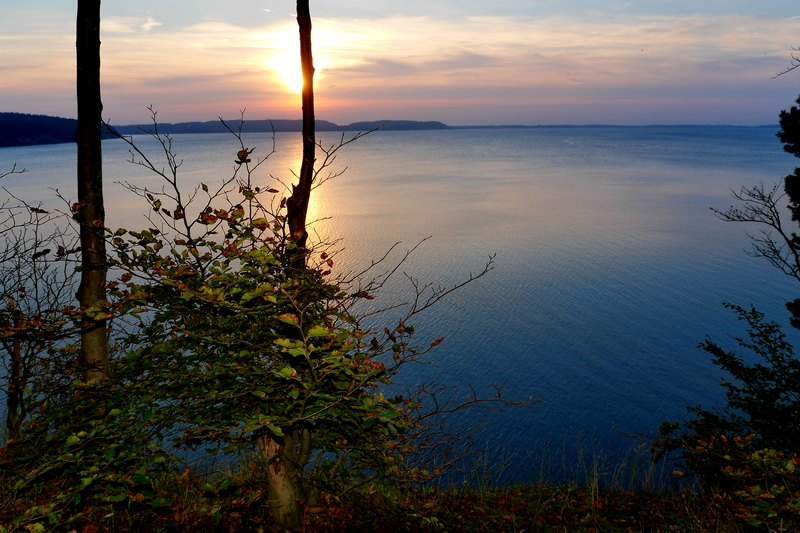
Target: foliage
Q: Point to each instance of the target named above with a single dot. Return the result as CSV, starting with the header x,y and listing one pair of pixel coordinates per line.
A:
x,y
763,400
790,136
237,347
762,205
749,448
763,397
228,338
790,131
237,504
770,495
224,347
98,449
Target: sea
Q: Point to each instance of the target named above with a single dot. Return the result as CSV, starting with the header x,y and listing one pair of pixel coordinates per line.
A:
x,y
609,267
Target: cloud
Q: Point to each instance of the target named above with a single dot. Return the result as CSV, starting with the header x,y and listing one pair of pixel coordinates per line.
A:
x,y
150,24
417,61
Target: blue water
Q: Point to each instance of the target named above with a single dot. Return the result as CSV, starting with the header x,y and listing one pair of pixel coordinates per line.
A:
x,y
610,268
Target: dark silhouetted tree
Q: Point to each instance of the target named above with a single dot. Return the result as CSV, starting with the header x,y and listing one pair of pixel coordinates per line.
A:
x,y
763,390
297,203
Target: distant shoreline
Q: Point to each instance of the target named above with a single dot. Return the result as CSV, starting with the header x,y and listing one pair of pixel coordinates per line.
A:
x,y
21,129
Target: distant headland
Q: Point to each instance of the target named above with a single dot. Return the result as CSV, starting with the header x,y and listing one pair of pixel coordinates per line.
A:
x,y
22,129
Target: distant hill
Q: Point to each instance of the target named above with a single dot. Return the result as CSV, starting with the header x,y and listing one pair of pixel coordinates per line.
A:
x,y
281,126
22,129
389,125
215,126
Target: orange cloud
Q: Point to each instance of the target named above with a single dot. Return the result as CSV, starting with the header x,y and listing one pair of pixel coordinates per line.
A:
x,y
215,67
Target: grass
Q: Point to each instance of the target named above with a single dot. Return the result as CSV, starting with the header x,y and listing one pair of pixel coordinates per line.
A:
x,y
235,501
504,509
526,509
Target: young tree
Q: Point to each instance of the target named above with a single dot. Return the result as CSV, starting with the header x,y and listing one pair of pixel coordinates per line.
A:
x,y
297,203
89,211
34,288
281,451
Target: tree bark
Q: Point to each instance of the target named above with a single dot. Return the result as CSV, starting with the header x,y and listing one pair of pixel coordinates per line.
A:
x,y
283,489
281,454
297,203
90,211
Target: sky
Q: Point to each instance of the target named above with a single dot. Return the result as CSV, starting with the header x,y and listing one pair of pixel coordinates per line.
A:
x,y
462,62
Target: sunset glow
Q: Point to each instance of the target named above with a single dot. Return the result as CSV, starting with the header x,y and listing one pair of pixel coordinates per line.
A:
x,y
466,65
286,67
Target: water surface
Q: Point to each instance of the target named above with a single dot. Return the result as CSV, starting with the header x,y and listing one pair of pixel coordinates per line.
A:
x,y
610,268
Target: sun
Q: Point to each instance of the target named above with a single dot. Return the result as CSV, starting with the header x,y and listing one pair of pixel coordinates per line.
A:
x,y
286,67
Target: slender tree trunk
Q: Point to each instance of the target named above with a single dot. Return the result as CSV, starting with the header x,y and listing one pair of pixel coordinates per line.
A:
x,y
90,212
281,454
297,203
16,380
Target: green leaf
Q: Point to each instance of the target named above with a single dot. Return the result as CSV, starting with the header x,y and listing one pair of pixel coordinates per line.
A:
x,y
319,331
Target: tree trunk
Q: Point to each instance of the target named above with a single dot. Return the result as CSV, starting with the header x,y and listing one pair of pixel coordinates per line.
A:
x,y
16,380
284,467
297,203
283,488
90,212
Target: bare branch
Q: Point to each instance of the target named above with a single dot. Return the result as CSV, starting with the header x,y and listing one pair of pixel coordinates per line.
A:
x,y
793,65
13,171
760,205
